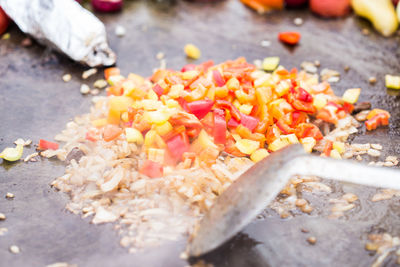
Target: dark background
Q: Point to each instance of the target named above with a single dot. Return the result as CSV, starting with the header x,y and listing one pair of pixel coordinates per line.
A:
x,y
35,103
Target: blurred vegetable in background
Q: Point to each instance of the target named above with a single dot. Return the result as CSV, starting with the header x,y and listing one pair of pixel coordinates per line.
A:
x,y
107,5
330,8
295,3
381,13
263,6
4,21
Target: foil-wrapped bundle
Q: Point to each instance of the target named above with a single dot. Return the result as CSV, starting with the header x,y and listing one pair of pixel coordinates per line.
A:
x,y
65,26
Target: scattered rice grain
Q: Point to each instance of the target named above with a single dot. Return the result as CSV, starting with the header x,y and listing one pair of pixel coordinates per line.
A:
x,y
373,152
101,83
14,249
31,156
388,164
376,146
87,73
85,89
391,159
160,55
10,195
350,197
372,80
3,231
312,240
94,92
2,217
298,21
265,43
120,31
362,116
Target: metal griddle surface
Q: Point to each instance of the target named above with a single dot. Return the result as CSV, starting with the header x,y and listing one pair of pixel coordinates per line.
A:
x,y
35,103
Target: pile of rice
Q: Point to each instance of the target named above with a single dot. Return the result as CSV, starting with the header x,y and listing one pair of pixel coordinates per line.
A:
x,y
105,184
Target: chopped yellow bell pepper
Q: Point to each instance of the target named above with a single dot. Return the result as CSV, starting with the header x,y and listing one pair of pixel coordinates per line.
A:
x,y
247,146
164,128
156,155
134,136
191,74
320,101
335,154
233,84
152,95
278,144
156,117
351,95
291,138
115,79
339,147
202,142
12,153
259,154
246,108
221,92
192,51
270,63
283,87
392,82
308,143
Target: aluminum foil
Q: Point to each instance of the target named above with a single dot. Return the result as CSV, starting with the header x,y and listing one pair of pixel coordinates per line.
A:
x,y
65,26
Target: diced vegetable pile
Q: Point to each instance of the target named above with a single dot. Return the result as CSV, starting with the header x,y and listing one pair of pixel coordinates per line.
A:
x,y
179,117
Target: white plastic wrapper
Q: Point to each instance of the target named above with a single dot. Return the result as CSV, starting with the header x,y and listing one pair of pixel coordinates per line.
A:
x,y
65,26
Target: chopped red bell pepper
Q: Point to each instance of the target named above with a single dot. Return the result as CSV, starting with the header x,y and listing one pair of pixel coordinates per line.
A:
x,y
188,67
178,145
290,38
111,132
249,121
297,118
328,148
325,115
92,135
116,90
380,119
206,65
152,169
286,129
200,108
108,72
219,80
219,126
158,89
348,107
44,145
233,123
295,98
183,103
272,134
231,148
304,95
224,104
308,130
331,103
